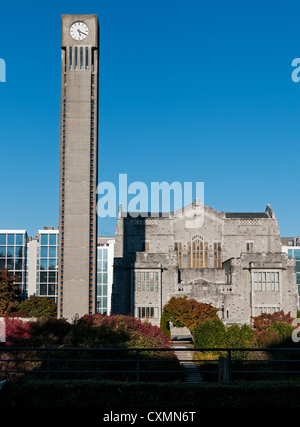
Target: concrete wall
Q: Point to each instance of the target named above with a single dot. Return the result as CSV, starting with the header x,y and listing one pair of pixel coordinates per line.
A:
x,y
78,173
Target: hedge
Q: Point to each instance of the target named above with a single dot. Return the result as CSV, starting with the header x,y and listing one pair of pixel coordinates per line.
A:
x,y
98,394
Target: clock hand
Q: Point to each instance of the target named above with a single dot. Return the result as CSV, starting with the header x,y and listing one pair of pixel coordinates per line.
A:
x,y
80,32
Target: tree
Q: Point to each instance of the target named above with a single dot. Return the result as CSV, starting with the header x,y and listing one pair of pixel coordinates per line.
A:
x,y
184,312
9,290
210,334
266,320
35,307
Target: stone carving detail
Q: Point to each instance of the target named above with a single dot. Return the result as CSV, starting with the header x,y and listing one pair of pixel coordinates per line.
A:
x,y
250,222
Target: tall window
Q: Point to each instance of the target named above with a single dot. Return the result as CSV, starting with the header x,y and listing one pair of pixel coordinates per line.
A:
x,y
86,58
81,58
145,246
266,281
178,250
198,253
48,265
76,58
147,312
270,310
217,255
102,280
146,281
70,58
249,246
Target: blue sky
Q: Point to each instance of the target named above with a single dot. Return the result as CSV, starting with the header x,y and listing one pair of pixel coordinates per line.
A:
x,y
189,91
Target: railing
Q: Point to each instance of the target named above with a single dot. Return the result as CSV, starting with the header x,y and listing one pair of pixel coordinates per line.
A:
x,y
224,368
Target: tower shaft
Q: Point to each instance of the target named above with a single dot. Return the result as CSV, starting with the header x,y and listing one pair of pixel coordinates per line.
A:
x,y
78,166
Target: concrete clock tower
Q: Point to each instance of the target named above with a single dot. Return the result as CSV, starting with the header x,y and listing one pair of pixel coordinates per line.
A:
x,y
78,166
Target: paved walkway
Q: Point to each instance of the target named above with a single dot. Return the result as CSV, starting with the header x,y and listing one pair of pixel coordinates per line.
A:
x,y
186,359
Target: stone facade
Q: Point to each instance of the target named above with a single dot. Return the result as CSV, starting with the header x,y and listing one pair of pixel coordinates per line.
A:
x,y
232,260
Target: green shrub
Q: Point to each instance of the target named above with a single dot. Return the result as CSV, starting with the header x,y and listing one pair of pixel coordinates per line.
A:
x,y
165,325
284,330
34,307
210,334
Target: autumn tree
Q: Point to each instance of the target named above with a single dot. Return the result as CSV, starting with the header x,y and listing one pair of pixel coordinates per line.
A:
x,y
266,320
9,290
184,312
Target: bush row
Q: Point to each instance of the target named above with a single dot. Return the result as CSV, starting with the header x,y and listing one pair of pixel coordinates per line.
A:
x,y
96,331
214,333
99,394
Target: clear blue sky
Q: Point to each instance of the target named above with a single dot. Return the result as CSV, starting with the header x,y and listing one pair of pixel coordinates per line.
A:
x,y
190,90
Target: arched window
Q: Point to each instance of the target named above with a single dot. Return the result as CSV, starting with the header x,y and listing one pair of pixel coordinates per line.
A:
x,y
198,253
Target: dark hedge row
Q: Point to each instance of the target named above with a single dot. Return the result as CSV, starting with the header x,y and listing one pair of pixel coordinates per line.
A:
x,y
98,394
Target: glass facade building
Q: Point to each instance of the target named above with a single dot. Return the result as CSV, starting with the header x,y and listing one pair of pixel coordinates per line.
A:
x,y
295,253
102,280
35,262
47,263
13,256
291,246
105,255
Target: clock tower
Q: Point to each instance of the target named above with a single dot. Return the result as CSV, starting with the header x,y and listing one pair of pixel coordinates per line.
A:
x,y
78,166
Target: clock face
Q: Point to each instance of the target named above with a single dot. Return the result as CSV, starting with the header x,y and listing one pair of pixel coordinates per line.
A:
x,y
79,30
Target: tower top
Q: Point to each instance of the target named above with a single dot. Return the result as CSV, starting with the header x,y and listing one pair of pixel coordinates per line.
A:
x,y
79,30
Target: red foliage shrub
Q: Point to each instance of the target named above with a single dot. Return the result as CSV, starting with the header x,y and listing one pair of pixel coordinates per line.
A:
x,y
17,331
266,320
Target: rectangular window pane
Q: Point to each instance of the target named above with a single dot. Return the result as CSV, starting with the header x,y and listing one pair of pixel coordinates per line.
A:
x,y
19,276
43,277
10,239
2,251
52,252
86,58
76,58
52,264
105,251
43,264
81,58
10,264
19,251
44,239
52,276
43,252
51,290
19,239
10,251
3,239
43,290
19,264
70,58
52,239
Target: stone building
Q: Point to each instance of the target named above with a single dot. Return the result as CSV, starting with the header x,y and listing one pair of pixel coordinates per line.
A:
x,y
232,260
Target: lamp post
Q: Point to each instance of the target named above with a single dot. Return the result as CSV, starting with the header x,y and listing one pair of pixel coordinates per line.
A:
x,y
223,310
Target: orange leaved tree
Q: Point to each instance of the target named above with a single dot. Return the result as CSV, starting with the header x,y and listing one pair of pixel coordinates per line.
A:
x,y
8,291
182,311
266,320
